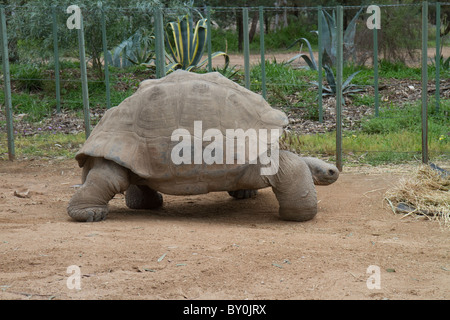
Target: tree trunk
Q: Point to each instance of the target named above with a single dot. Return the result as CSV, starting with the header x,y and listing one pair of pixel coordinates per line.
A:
x,y
240,27
253,26
285,15
266,23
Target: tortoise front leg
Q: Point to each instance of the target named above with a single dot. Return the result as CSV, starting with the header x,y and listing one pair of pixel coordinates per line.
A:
x,y
102,180
293,186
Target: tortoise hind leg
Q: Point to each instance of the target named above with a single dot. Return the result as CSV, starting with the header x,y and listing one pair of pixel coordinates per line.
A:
x,y
102,179
142,197
243,193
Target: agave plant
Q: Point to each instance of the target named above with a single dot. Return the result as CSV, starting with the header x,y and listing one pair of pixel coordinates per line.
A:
x,y
134,50
141,52
231,73
330,37
347,86
188,44
329,41
311,61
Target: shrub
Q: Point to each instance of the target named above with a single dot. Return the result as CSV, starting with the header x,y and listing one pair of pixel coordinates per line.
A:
x,y
28,77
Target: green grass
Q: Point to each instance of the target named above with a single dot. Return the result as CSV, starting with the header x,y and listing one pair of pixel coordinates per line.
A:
x,y
282,81
37,99
376,149
398,70
45,145
394,137
408,117
35,106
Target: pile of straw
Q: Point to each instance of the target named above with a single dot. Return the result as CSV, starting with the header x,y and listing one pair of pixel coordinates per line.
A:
x,y
425,192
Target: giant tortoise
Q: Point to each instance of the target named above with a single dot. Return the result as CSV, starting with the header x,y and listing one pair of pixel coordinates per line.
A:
x,y
172,136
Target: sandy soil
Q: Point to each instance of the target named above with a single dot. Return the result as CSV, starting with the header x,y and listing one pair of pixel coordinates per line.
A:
x,y
214,247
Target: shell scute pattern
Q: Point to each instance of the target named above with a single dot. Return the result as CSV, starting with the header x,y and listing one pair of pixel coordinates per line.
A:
x,y
137,133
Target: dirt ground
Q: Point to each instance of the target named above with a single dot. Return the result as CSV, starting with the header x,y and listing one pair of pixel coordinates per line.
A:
x,y
213,246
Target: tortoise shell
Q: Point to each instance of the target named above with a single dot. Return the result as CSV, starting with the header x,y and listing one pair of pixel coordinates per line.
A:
x,y
137,133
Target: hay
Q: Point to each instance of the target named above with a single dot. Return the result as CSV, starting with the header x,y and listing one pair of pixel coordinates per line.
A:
x,y
425,192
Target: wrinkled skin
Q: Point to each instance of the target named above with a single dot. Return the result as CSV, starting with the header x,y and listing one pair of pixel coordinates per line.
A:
x,y
322,173
293,186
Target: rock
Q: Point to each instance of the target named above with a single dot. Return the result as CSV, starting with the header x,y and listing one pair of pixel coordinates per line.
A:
x,y
22,193
29,191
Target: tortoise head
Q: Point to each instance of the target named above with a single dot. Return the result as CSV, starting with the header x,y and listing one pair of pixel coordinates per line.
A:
x,y
323,173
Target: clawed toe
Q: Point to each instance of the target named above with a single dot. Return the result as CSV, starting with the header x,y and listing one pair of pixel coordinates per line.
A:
x,y
89,214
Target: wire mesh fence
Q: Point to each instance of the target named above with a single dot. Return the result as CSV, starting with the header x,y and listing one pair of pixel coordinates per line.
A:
x,y
382,94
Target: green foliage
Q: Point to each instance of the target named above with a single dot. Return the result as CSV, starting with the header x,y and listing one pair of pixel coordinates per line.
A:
x,y
28,77
137,50
444,66
275,40
231,73
399,36
398,70
395,119
282,38
347,86
375,149
223,39
31,36
445,63
187,44
45,144
33,106
310,60
330,38
282,80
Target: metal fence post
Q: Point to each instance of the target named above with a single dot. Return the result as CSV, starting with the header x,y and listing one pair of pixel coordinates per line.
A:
x,y
339,67
262,49
375,69
105,60
159,33
424,82
7,86
246,48
438,55
208,37
56,58
84,80
319,67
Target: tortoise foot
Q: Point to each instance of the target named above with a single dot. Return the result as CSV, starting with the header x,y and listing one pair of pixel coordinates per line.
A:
x,y
142,197
88,214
